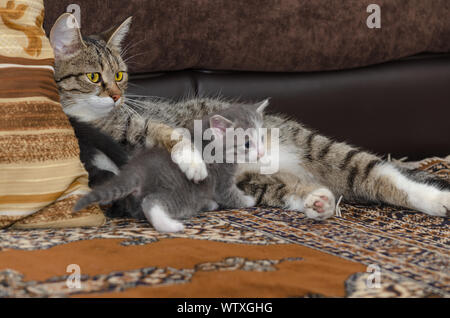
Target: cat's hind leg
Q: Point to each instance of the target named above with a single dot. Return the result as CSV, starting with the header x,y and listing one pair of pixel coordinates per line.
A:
x,y
289,192
156,211
360,176
412,189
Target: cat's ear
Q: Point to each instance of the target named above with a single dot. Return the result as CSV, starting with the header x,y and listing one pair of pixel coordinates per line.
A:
x,y
219,125
115,36
65,36
260,107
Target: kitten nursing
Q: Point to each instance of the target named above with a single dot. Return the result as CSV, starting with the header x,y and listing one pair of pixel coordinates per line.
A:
x,y
313,169
165,192
102,158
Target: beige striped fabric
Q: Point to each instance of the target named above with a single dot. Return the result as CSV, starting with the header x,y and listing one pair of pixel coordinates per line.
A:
x,y
41,175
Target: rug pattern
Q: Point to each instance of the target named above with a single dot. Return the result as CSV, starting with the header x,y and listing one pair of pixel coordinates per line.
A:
x,y
410,249
12,283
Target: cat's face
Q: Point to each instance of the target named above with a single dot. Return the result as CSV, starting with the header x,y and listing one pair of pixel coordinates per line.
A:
x,y
90,73
239,129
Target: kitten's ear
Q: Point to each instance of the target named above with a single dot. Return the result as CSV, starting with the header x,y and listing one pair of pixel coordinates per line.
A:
x,y
260,107
65,36
115,36
219,125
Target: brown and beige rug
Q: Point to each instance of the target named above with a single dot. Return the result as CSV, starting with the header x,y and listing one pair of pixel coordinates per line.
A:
x,y
371,251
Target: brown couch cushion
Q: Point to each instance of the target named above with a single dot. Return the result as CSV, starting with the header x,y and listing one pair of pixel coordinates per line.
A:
x,y
265,35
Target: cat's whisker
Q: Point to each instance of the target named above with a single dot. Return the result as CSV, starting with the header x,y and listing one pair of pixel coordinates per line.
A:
x,y
133,104
139,103
134,63
124,51
131,113
135,85
133,56
146,99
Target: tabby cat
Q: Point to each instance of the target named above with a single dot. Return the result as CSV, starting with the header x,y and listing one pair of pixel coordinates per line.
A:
x,y
313,169
153,178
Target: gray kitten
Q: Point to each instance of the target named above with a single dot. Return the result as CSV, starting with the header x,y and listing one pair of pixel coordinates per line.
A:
x,y
167,194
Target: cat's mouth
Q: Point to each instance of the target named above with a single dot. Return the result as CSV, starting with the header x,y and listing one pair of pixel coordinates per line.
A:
x,y
118,102
103,104
92,108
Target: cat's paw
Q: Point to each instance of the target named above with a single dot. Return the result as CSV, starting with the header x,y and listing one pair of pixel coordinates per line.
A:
x,y
248,201
440,206
211,206
320,204
171,227
190,162
161,221
293,202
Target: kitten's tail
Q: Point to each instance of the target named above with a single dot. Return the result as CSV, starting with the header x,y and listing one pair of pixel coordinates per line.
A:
x,y
118,187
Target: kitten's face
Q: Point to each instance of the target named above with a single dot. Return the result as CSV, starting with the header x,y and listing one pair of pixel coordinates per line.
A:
x,y
90,73
246,138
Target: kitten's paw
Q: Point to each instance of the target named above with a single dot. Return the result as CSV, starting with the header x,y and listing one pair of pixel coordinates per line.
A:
x,y
191,163
211,206
162,222
320,204
293,202
173,227
248,201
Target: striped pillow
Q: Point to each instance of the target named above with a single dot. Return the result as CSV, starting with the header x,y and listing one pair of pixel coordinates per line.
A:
x,y
40,170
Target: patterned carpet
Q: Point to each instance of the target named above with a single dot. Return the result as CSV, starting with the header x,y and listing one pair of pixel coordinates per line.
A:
x,y
371,251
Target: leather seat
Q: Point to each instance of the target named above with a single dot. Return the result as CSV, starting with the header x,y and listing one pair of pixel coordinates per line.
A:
x,y
401,107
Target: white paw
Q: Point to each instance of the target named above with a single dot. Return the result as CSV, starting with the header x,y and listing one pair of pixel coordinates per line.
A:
x,y
162,222
172,227
190,162
439,206
248,201
211,206
294,202
320,204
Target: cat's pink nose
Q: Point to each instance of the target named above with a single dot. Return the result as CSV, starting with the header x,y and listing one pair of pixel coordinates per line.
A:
x,y
115,97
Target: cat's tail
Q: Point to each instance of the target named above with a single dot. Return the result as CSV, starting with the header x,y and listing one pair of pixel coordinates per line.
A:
x,y
117,188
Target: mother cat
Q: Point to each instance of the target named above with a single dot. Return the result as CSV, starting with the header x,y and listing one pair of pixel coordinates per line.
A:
x,y
313,170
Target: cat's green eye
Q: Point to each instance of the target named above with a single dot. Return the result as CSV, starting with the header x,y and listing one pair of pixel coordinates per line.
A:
x,y
119,76
93,77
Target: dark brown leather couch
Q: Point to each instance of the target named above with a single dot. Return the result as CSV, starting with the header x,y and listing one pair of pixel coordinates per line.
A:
x,y
400,107
388,92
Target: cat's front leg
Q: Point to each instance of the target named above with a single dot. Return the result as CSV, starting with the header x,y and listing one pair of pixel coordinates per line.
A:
x,y
210,205
188,158
234,198
190,161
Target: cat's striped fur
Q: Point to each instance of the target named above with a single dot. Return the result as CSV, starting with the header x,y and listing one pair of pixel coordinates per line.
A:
x,y
314,169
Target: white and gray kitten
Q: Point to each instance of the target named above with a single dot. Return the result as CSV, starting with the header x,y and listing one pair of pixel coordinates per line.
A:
x,y
167,195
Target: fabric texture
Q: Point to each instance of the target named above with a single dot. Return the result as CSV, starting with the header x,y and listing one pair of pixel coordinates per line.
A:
x,y
257,252
40,169
265,35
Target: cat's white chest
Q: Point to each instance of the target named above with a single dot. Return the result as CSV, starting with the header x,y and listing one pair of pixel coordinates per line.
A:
x,y
286,159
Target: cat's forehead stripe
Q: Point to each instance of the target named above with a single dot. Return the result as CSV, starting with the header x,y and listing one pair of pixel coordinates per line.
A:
x,y
104,54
